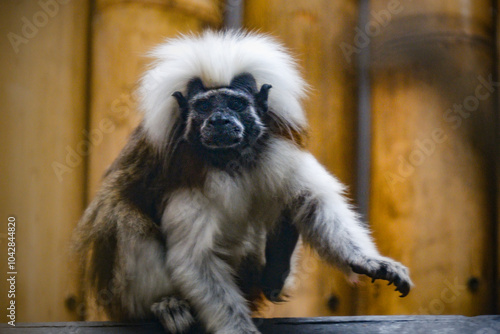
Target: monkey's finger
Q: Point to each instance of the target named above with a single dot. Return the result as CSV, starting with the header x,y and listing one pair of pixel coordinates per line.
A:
x,y
404,288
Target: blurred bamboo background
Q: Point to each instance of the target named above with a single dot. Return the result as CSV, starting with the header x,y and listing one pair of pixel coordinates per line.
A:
x,y
68,71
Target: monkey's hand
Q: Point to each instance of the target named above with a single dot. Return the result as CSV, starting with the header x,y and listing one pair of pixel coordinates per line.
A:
x,y
386,269
175,315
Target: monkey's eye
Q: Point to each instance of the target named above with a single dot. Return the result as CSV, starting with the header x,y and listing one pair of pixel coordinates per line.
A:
x,y
203,106
237,104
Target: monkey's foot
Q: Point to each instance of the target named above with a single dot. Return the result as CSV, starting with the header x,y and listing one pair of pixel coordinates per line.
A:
x,y
386,269
174,314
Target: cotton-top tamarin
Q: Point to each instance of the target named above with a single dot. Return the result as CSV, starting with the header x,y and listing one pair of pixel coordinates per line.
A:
x,y
203,208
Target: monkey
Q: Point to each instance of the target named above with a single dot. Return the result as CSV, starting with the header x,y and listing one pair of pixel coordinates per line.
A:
x,y
202,211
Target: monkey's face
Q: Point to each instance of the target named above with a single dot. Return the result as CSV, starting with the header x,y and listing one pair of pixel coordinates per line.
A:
x,y
224,118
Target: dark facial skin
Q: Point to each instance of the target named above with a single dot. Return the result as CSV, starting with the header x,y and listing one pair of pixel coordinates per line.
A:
x,y
223,120
225,123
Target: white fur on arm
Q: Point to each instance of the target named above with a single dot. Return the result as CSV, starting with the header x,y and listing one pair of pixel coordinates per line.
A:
x,y
325,219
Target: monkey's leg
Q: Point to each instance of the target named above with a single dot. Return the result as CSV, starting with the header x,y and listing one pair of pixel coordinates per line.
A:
x,y
329,225
123,255
279,249
206,281
174,314
199,267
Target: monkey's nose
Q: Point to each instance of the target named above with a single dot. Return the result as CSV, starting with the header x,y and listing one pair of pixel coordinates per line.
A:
x,y
219,120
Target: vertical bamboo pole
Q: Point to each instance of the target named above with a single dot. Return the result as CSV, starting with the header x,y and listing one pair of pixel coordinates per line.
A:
x,y
42,94
433,129
123,32
315,31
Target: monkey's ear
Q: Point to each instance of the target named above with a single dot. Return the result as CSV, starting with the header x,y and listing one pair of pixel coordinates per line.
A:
x,y
183,104
262,97
195,86
245,82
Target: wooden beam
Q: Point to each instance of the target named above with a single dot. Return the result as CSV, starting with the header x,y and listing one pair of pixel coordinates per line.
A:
x,y
43,97
432,197
354,325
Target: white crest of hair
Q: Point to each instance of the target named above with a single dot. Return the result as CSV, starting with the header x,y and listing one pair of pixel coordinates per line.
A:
x,y
216,58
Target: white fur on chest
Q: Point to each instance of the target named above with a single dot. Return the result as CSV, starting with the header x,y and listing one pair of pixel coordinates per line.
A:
x,y
235,210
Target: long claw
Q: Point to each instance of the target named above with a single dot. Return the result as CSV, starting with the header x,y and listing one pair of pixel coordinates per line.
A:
x,y
394,273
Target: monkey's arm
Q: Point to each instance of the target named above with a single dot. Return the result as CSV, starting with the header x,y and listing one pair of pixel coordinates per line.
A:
x,y
327,223
199,268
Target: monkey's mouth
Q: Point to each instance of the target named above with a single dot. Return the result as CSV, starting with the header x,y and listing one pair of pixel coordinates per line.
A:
x,y
221,137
